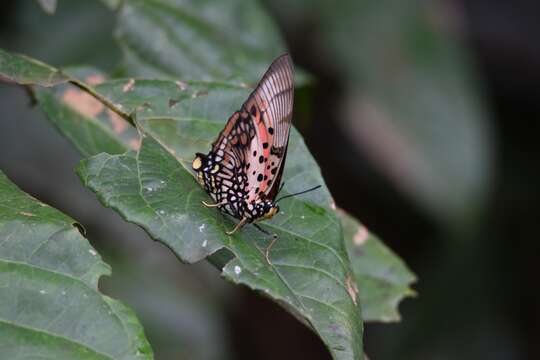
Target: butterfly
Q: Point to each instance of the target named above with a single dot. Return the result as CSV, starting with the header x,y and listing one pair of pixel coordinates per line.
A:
x,y
242,172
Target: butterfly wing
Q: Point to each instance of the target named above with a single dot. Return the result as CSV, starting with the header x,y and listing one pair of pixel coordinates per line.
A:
x,y
247,159
270,106
224,174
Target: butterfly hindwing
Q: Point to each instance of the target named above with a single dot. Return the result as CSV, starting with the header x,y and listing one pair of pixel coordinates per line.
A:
x,y
226,162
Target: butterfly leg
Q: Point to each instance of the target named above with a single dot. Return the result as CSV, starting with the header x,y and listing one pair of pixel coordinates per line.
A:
x,y
262,230
267,252
212,205
237,227
274,238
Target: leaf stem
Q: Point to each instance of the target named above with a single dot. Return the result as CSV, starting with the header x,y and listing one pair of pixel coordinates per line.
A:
x,y
83,86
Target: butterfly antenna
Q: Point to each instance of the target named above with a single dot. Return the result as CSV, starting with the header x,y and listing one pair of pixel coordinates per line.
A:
x,y
280,188
298,193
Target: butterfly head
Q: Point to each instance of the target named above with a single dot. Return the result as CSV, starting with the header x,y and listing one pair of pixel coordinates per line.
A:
x,y
268,209
197,165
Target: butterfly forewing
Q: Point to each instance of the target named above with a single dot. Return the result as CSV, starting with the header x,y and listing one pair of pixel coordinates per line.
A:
x,y
270,106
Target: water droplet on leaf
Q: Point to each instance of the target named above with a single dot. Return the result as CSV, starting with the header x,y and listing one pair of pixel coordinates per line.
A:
x,y
237,270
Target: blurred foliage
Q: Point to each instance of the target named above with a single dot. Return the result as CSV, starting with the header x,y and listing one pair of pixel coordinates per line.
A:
x,y
411,102
201,40
49,6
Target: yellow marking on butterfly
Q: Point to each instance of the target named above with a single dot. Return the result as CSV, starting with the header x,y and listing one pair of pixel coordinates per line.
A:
x,y
197,163
270,213
215,169
200,177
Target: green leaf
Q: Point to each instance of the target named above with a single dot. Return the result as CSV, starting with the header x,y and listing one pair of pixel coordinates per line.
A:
x,y
383,279
50,306
27,71
201,40
23,70
89,136
155,189
85,121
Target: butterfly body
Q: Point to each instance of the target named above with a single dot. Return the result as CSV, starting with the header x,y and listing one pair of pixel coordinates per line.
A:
x,y
231,196
242,172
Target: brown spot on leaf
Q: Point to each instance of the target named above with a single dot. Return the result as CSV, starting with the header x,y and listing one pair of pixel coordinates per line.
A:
x,y
199,93
119,125
173,102
333,328
82,102
129,85
352,289
361,236
135,144
26,213
182,85
95,79
145,105
247,86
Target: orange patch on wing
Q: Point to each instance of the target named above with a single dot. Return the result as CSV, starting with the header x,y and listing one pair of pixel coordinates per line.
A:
x,y
264,137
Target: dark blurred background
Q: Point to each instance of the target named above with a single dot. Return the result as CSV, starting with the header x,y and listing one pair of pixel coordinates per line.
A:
x,y
424,119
